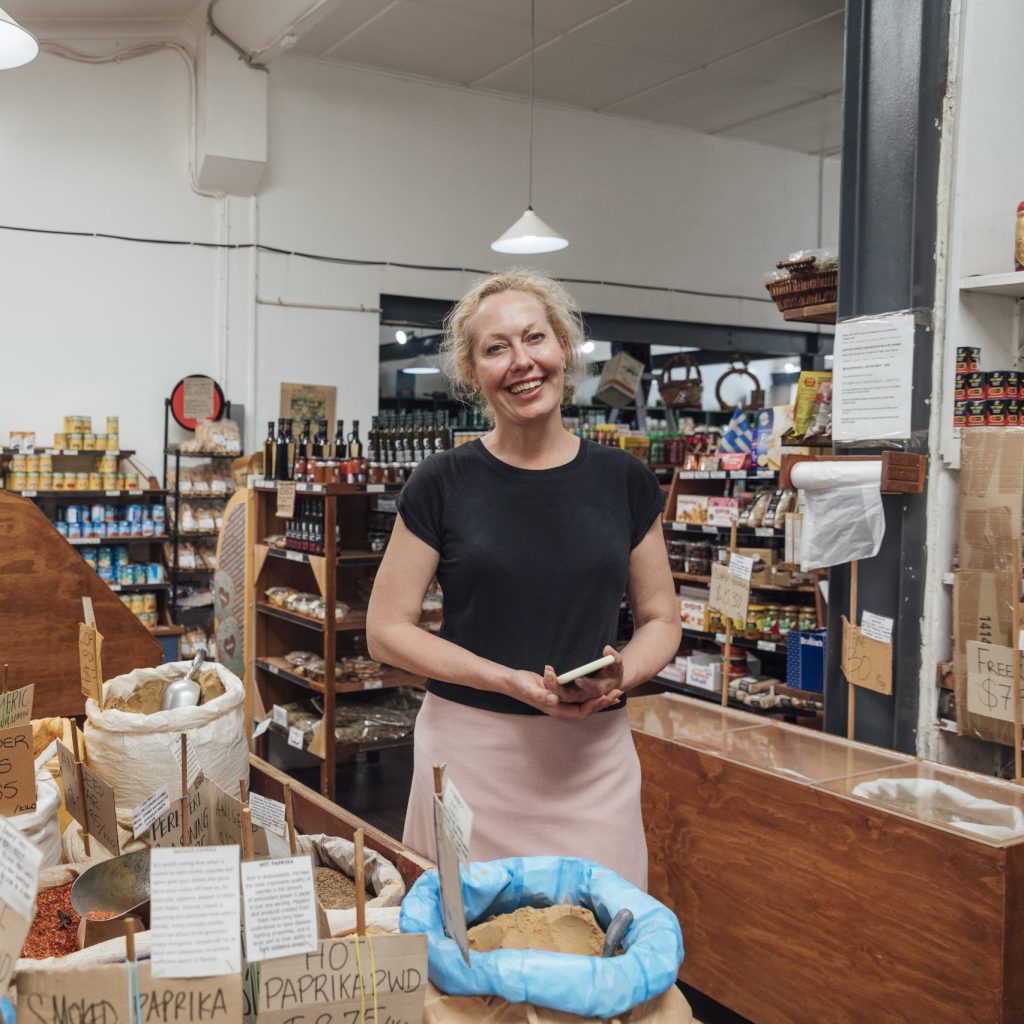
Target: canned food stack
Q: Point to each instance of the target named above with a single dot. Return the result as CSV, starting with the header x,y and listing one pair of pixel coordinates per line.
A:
x,y
113,565
143,607
78,435
984,398
79,522
36,473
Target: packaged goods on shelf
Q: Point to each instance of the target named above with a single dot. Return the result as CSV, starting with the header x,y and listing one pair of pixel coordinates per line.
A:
x,y
212,480
215,437
723,511
693,608
362,722
691,508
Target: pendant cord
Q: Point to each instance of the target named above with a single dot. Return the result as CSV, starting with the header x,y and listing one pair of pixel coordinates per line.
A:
x,y
533,47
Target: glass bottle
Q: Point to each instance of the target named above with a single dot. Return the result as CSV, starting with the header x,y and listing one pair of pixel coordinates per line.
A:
x,y
320,441
268,453
355,446
282,469
340,447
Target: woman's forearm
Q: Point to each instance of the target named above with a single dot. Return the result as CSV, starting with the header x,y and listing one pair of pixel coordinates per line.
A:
x,y
408,647
651,648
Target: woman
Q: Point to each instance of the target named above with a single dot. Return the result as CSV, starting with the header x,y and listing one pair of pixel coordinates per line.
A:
x,y
534,536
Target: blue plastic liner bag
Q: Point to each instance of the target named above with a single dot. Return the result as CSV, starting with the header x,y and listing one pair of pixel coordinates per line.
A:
x,y
584,985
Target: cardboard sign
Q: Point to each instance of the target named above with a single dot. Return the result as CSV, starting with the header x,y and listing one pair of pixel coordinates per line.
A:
x,y
90,663
149,810
328,985
16,706
865,662
19,870
227,820
458,820
69,783
13,931
17,771
198,400
730,594
990,680
280,907
194,912
267,813
100,810
453,910
285,499
214,819
105,994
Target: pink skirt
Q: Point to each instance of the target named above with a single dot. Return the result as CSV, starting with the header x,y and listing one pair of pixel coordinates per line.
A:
x,y
536,785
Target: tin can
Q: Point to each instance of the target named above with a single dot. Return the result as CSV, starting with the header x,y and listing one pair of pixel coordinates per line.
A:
x,y
967,359
113,425
995,412
135,528
123,528
108,481
149,602
81,481
154,572
58,481
113,443
1012,384
69,424
975,385
995,384
147,528
46,481
960,388
159,514
96,513
16,481
94,482
1012,412
31,463
131,481
45,463
133,513
74,531
31,482
89,442
75,441
976,412
71,513
138,603
60,441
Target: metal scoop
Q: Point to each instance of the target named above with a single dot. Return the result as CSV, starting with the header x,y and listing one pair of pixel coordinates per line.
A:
x,y
617,929
120,885
184,692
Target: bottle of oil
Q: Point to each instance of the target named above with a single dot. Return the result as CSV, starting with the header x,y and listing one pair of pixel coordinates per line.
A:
x,y
268,453
340,447
282,468
355,446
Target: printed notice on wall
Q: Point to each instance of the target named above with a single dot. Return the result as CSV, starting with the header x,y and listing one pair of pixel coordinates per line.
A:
x,y
198,398
873,378
195,911
990,680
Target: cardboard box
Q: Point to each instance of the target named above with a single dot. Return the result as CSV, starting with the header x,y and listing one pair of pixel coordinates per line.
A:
x,y
620,378
991,497
724,511
691,508
693,613
705,673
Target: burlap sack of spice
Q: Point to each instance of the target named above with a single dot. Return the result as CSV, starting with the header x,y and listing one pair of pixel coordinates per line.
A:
x,y
669,1008
74,848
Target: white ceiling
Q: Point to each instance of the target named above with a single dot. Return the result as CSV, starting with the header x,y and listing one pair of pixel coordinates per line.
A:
x,y
769,71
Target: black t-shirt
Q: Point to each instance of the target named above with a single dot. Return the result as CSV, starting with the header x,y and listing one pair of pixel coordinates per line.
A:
x,y
533,562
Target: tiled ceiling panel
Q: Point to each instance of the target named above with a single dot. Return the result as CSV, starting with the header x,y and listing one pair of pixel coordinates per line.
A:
x,y
560,15
346,18
815,127
583,74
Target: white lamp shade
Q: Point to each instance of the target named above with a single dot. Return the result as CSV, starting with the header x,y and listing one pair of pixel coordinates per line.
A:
x,y
421,365
17,45
529,234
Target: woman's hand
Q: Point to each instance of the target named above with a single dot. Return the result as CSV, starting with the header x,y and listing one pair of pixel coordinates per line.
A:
x,y
590,693
537,691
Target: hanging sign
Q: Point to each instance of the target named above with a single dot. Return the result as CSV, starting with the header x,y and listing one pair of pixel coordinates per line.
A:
x,y
730,593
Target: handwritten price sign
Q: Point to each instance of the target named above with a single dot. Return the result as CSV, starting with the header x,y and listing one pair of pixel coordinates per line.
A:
x,y
730,593
990,680
866,662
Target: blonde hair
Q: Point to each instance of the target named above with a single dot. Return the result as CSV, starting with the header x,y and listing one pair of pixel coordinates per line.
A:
x,y
560,308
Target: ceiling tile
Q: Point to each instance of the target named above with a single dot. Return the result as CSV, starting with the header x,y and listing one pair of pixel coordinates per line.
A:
x,y
708,101
345,19
815,127
701,30
808,58
117,10
560,15
583,74
437,41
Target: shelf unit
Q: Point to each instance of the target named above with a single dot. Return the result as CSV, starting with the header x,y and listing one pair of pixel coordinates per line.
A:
x,y
335,576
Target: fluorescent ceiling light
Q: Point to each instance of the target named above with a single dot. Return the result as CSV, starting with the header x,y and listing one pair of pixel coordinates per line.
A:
x,y
17,45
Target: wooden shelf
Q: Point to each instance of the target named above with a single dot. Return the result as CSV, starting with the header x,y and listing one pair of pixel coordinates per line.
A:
x,y
64,453
821,314
346,556
201,455
71,495
802,588
199,535
186,497
390,677
355,620
728,474
136,588
767,646
80,542
760,532
337,489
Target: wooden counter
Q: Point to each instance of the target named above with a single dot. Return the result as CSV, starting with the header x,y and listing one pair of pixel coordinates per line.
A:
x,y
803,903
316,814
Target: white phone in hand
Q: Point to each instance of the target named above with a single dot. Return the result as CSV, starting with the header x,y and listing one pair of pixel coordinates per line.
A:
x,y
585,670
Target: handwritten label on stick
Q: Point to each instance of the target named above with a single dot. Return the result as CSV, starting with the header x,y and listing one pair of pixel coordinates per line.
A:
x,y
990,680
865,662
195,915
730,594
90,662
69,782
453,909
741,566
280,907
268,813
285,499
17,771
329,984
100,810
16,706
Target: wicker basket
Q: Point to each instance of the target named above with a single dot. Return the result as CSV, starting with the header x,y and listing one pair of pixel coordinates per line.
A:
x,y
686,393
806,285
756,400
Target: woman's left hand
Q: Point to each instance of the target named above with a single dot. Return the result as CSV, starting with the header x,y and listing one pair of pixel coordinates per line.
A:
x,y
598,686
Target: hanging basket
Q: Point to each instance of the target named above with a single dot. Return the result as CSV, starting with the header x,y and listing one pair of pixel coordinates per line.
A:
x,y
807,284
756,400
687,392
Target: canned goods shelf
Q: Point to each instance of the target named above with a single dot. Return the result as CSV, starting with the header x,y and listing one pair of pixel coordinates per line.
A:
x,y
63,453
137,588
201,455
90,494
80,541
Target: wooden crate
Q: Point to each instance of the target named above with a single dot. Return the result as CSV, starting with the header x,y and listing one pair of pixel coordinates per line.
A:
x,y
801,904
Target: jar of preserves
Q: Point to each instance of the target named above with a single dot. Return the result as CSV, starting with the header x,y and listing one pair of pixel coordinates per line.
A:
x,y
770,621
808,619
789,618
755,620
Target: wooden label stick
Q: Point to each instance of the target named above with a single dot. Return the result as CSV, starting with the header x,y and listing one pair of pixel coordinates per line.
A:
x,y
129,939
6,670
184,764
243,791
246,833
81,789
87,612
727,650
289,817
360,882
439,780
851,690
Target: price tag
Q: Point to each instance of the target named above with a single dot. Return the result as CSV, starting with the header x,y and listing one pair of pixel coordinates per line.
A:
x,y
135,494
373,684
90,664
280,907
100,811
677,526
17,771
198,399
990,680
20,860
375,488
876,627
295,556
70,451
295,737
458,821
149,810
701,474
261,728
29,494
763,531
188,886
868,663
766,645
285,499
709,529
279,714
730,594
741,566
720,638
51,451
16,706
112,494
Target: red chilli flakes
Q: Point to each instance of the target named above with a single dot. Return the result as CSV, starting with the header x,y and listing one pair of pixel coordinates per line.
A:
x,y
54,931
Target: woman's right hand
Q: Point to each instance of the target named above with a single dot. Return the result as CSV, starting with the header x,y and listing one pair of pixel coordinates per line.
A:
x,y
530,688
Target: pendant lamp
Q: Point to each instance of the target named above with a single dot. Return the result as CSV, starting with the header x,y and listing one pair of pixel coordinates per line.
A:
x,y
17,45
421,364
530,234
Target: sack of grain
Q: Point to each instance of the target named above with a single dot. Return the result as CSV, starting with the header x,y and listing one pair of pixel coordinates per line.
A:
x,y
74,848
41,827
134,751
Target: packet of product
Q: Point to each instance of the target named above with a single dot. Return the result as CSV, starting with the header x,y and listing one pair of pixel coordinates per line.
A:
x,y
806,394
